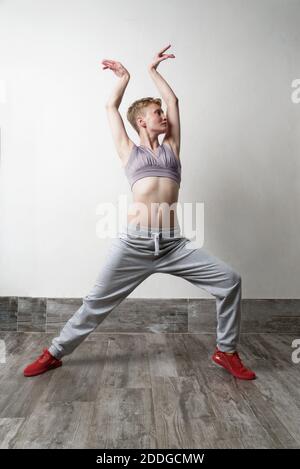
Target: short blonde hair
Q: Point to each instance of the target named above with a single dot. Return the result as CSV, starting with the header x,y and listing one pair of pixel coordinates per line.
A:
x,y
137,108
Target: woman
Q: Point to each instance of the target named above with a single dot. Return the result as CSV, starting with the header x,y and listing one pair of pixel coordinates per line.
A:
x,y
151,242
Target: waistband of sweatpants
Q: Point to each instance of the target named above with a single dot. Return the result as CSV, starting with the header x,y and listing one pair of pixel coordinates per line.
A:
x,y
148,232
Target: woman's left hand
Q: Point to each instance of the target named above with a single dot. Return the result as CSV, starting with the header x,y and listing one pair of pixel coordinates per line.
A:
x,y
159,57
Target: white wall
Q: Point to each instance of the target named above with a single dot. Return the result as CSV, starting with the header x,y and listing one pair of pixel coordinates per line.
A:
x,y
235,62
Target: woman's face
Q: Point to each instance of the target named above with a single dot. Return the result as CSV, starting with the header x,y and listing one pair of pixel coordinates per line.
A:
x,y
155,119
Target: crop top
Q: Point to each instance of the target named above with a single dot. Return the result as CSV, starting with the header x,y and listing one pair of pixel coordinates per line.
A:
x,y
142,162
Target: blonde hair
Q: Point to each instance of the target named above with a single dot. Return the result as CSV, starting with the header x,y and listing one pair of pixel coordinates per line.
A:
x,y
137,108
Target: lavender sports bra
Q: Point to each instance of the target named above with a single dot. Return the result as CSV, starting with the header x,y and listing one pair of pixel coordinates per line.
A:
x,y
143,162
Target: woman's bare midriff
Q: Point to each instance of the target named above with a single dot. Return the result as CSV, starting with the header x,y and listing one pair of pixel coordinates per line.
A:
x,y
154,202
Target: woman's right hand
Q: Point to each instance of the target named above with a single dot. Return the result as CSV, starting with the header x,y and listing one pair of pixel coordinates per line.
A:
x,y
116,67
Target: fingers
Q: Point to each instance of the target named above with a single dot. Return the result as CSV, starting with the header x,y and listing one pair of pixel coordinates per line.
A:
x,y
111,64
106,66
167,56
164,49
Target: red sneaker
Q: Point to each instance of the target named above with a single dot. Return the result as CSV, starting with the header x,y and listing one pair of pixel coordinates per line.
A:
x,y
233,364
43,363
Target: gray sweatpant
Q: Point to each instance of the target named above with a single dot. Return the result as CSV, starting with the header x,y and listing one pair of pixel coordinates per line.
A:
x,y
132,257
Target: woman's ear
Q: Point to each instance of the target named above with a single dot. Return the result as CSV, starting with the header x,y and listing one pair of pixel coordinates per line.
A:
x,y
141,122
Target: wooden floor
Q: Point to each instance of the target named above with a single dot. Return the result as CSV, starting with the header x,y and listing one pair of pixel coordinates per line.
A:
x,y
150,391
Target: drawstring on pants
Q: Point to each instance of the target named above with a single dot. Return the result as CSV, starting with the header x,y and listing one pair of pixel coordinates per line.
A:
x,y
152,234
156,242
